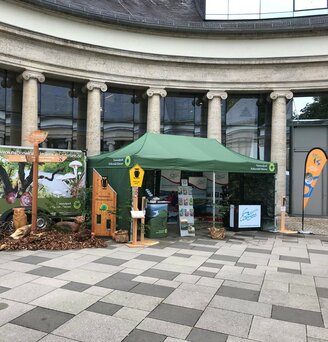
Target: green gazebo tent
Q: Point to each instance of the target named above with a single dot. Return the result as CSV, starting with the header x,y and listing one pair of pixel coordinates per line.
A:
x,y
162,151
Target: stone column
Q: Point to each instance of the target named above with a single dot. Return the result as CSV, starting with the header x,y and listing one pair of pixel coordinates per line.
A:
x,y
154,109
279,141
214,113
94,117
29,103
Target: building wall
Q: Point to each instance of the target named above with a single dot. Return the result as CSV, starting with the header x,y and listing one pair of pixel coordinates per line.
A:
x,y
105,56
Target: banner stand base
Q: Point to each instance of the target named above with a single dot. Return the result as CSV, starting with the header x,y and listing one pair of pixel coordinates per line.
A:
x,y
305,232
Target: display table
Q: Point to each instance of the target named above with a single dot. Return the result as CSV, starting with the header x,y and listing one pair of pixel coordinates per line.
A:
x,y
245,216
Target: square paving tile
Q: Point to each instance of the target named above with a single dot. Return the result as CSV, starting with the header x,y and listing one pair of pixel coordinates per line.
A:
x,y
123,275
165,328
257,250
223,257
297,316
193,300
10,310
212,264
104,328
74,286
110,261
152,290
45,271
205,274
295,259
132,300
225,322
154,273
181,255
84,276
288,270
144,336
13,332
31,259
317,251
4,289
322,292
27,292
149,257
42,319
246,265
117,284
67,301
201,335
176,314
104,308
239,293
271,330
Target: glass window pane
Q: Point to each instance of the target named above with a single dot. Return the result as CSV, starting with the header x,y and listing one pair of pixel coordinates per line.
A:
x,y
55,99
56,113
216,7
276,6
244,7
2,90
309,108
309,4
241,111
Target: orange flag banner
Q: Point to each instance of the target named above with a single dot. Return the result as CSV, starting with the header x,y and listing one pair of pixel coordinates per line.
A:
x,y
314,163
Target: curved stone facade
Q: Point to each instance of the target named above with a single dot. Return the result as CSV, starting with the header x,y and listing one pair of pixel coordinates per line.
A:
x,y
62,43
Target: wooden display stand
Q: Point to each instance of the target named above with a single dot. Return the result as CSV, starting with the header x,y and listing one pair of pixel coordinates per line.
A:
x,y
136,178
104,200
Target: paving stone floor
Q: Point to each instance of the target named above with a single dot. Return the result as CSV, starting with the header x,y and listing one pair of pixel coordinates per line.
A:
x,y
253,286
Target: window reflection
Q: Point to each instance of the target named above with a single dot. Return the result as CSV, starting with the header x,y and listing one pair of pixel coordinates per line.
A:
x,y
247,126
124,118
262,9
183,114
310,107
62,108
10,108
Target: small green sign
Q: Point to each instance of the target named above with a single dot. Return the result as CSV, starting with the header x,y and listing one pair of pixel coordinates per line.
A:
x,y
127,160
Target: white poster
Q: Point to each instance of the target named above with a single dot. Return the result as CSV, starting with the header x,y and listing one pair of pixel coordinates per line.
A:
x,y
170,180
249,216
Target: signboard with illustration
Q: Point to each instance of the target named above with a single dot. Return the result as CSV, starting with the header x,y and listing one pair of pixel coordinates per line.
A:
x,y
61,179
249,216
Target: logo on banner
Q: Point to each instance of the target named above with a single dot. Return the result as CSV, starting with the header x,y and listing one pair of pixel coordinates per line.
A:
x,y
314,163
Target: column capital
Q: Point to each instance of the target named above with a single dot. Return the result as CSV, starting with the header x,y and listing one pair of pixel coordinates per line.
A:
x,y
30,74
281,93
156,91
216,93
95,85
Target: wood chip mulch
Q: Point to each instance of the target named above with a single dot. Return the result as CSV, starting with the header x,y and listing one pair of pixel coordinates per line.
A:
x,y
51,240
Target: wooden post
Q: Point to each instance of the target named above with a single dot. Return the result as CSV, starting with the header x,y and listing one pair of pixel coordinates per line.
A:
x,y
35,185
134,220
142,229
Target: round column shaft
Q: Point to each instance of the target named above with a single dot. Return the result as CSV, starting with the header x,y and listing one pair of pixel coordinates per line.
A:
x,y
154,109
29,103
279,141
94,117
214,113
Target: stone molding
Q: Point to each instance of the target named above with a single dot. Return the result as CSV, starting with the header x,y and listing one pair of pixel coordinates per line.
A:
x,y
216,93
156,91
91,85
29,74
281,93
